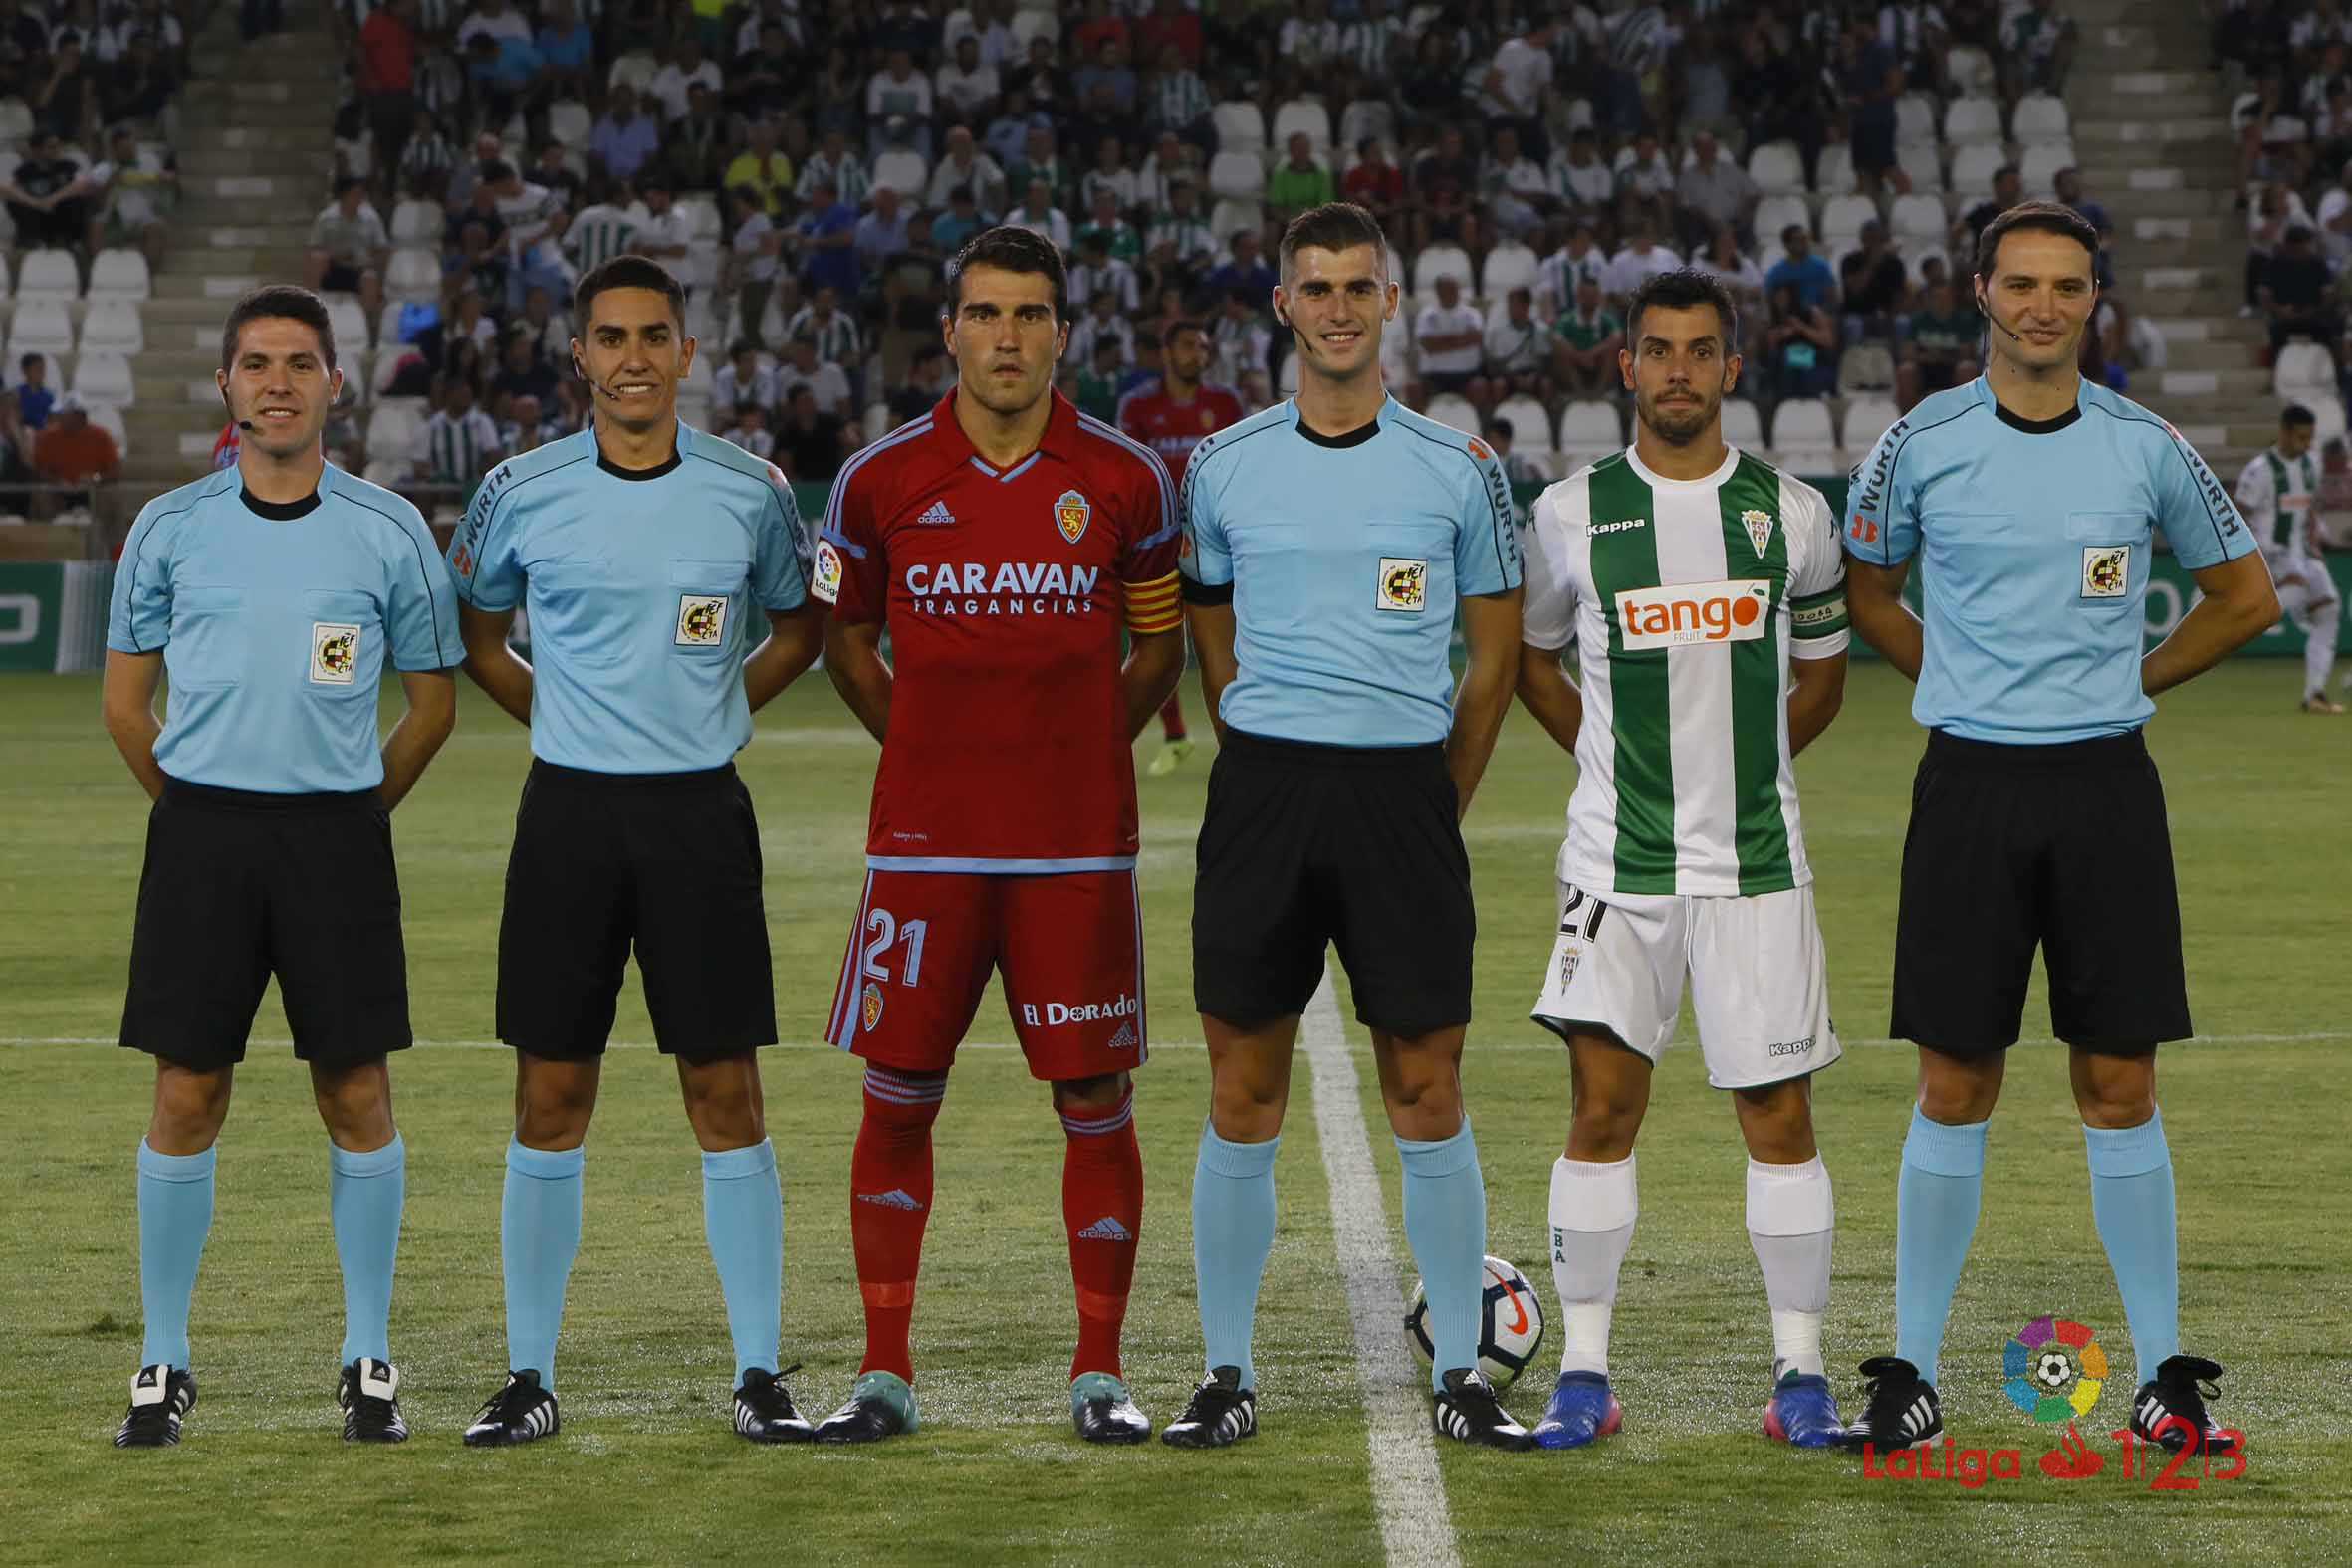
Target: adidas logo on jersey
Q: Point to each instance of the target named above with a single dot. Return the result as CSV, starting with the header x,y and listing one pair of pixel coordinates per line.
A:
x,y
1106,1229
937,513
895,1198
1124,1039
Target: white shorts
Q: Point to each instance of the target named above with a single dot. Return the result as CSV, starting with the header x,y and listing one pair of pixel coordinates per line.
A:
x,y
1759,979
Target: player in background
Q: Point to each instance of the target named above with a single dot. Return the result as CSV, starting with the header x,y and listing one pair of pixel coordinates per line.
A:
x,y
2277,493
275,593
644,547
2028,496
1172,415
1702,590
1003,541
1330,541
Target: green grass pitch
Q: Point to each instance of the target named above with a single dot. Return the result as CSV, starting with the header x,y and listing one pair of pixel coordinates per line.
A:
x,y
647,1469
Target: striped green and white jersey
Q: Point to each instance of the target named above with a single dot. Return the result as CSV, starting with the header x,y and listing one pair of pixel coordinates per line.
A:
x,y
2275,494
1684,599
598,234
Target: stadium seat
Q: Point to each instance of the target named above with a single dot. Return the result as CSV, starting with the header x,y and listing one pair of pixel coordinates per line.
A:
x,y
2041,119
1303,113
16,122
117,274
1843,219
1914,120
570,124
416,222
1588,430
1867,418
1924,162
386,367
1802,437
2327,417
1778,168
1441,260
112,324
1833,175
636,68
2303,371
344,318
702,218
41,327
1775,214
1229,215
48,272
1866,367
1742,426
694,405
1455,412
1029,24
1972,169
904,171
103,377
1286,380
1237,176
1919,220
413,273
2038,170
1367,117
876,422
1240,126
706,323
108,418
1972,121
1530,426
1970,69
700,270
392,426
1508,267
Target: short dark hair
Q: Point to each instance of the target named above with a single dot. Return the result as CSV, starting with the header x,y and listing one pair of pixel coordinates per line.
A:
x,y
493,171
1008,249
2297,414
1499,428
626,271
345,182
1177,327
278,299
1334,226
1684,288
2039,217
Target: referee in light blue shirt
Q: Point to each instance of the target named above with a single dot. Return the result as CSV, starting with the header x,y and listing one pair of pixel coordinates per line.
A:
x,y
1328,543
275,594
644,550
2031,500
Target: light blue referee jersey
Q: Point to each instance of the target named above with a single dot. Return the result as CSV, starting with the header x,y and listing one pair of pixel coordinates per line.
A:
x,y
2034,541
275,621
644,589
1343,558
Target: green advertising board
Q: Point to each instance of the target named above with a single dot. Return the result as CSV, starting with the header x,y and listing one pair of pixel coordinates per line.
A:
x,y
52,615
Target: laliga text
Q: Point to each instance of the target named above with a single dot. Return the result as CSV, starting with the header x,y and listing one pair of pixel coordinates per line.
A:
x,y
2164,1469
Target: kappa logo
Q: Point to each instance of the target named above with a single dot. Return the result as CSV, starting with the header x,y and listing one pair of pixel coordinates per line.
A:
x,y
826,580
702,619
1106,1229
1070,514
2106,570
1760,530
870,1006
1403,584
1692,613
895,1198
935,515
1790,1047
1621,525
335,653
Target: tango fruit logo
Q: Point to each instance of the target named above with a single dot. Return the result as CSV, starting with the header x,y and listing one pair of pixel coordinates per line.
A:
x,y
2054,1368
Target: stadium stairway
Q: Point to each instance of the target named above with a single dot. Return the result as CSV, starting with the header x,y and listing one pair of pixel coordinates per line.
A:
x,y
254,148
2152,138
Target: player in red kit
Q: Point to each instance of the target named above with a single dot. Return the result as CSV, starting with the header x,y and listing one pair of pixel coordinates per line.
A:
x,y
1170,417
1006,542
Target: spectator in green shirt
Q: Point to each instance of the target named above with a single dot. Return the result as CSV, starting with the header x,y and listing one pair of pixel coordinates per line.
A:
x,y
1121,242
1587,339
1939,346
1300,183
1098,382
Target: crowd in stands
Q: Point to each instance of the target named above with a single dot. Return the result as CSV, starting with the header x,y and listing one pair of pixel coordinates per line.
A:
x,y
806,166
89,93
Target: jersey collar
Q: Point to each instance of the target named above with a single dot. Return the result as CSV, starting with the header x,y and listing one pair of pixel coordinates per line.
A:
x,y
677,456
1060,441
1731,461
1356,437
2018,423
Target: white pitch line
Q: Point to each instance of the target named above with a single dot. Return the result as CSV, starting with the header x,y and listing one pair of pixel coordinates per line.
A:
x,y
1407,1491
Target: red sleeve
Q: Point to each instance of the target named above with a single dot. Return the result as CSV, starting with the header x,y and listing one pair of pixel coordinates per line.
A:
x,y
1147,561
851,571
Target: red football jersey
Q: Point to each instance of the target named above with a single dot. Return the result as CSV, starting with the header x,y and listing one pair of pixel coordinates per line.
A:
x,y
1172,429
1003,591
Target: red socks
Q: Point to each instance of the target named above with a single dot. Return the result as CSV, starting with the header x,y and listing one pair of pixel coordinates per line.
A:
x,y
889,1199
1103,1203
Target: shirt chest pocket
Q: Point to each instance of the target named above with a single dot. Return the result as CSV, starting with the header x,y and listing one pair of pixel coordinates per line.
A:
x,y
342,647
211,638
708,592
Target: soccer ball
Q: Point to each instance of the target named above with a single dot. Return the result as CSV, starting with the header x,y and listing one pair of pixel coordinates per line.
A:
x,y
2054,1368
1509,1329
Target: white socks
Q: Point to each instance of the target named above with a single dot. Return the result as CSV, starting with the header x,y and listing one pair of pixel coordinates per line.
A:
x,y
1790,1217
1592,1210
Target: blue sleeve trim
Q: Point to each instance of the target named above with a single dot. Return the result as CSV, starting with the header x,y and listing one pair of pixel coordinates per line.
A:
x,y
2180,450
130,594
835,536
1498,493
423,579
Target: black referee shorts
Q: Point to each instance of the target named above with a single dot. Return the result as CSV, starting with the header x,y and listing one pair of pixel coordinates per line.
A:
x,y
238,887
667,861
2065,846
1304,844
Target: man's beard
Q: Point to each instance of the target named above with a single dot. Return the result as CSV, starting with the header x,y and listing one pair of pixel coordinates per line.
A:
x,y
1681,423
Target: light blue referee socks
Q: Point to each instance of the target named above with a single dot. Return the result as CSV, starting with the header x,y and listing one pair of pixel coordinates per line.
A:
x,y
743,1219
2132,1205
364,1194
537,1236
1231,1233
1446,1226
1934,1218
174,1217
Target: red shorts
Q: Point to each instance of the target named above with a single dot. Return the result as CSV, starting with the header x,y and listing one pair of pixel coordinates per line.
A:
x,y
1069,945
